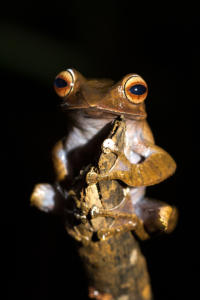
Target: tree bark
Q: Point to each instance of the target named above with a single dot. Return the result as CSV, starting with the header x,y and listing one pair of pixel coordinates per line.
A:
x,y
115,266
116,269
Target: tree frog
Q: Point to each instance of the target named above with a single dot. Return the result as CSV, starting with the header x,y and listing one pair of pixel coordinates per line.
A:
x,y
91,106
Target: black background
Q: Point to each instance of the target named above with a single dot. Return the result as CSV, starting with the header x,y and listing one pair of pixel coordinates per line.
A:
x,y
100,39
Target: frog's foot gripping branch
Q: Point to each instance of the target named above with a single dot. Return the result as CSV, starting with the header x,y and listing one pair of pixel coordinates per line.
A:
x,y
47,198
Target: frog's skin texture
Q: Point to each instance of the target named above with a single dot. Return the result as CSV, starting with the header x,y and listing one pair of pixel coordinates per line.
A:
x,y
92,106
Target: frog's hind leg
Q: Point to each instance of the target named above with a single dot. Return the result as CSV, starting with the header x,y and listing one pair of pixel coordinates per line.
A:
x,y
157,216
47,197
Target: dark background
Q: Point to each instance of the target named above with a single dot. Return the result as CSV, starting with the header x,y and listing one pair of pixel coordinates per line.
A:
x,y
100,39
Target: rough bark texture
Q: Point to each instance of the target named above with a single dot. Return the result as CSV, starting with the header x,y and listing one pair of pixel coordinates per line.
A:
x,y
115,267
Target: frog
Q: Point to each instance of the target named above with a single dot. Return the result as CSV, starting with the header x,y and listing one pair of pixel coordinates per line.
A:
x,y
92,105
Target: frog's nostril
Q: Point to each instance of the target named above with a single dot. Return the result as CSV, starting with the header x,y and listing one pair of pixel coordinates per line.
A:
x,y
60,83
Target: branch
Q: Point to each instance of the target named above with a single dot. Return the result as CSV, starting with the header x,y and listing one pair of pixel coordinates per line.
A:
x,y
115,266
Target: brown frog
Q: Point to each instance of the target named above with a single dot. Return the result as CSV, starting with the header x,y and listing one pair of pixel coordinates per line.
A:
x,y
92,105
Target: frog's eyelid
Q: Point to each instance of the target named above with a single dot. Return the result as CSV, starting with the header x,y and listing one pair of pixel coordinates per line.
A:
x,y
73,76
131,76
135,75
128,77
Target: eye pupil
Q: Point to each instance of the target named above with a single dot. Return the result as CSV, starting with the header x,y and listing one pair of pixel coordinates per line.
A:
x,y
138,89
60,83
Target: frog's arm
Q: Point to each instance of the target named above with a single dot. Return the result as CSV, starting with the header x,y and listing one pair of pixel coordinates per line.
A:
x,y
157,164
155,167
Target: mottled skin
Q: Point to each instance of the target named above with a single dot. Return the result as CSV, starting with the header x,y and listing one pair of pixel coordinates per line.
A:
x,y
92,106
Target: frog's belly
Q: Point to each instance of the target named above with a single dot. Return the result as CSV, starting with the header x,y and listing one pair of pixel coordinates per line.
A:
x,y
137,194
131,138
133,157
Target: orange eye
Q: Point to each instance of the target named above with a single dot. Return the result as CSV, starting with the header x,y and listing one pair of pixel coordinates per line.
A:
x,y
135,89
63,83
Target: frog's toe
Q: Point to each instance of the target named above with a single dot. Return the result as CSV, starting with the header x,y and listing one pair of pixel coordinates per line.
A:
x,y
43,197
168,217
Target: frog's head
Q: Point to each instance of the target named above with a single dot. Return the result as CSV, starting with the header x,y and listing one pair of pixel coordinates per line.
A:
x,y
97,96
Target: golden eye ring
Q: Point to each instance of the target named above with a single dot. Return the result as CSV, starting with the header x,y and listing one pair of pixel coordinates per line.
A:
x,y
135,89
64,83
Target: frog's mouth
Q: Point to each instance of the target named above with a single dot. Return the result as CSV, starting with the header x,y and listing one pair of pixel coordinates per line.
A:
x,y
107,114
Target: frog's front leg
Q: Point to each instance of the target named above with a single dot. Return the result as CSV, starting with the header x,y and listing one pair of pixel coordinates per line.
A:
x,y
156,166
